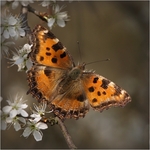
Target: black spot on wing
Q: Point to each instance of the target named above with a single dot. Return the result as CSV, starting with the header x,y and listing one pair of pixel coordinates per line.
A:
x,y
91,89
47,48
54,60
63,55
99,93
105,83
81,98
57,46
94,100
95,80
104,93
48,54
41,58
49,35
47,72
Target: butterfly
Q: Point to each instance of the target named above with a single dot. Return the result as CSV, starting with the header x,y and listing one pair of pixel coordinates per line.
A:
x,y
69,90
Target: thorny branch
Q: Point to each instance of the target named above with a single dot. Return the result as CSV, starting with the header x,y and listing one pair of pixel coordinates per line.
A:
x,y
43,16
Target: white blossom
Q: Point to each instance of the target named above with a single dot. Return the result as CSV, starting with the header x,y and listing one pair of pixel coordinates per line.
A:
x,y
16,3
16,122
58,17
20,58
33,126
46,3
9,113
39,111
15,107
11,26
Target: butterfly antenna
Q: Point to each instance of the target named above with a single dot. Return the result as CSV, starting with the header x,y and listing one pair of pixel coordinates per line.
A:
x,y
79,50
107,59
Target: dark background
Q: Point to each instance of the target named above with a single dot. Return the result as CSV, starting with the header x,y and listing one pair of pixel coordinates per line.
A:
x,y
115,30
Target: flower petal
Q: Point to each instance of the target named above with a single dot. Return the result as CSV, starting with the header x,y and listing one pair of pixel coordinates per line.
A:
x,y
27,47
61,22
13,113
27,132
41,125
35,116
22,120
3,125
12,31
12,20
37,135
6,34
9,120
56,9
51,22
15,5
7,109
29,64
17,126
45,3
24,113
19,61
24,106
37,119
21,32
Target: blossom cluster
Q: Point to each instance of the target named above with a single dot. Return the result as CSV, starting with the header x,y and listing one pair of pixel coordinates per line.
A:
x,y
20,58
15,114
12,26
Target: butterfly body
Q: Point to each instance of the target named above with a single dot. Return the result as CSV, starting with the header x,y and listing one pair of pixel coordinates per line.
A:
x,y
68,89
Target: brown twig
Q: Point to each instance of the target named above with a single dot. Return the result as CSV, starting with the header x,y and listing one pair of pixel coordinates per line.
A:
x,y
42,15
66,134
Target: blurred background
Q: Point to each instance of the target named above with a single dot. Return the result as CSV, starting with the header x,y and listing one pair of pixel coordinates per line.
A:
x,y
115,30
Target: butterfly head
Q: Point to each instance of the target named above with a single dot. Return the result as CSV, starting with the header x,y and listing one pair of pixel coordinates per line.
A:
x,y
77,71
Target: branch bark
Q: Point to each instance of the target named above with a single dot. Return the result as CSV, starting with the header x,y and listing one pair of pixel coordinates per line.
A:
x,y
42,15
67,137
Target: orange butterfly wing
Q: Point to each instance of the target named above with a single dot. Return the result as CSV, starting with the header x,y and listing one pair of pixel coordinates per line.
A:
x,y
71,104
52,63
43,81
65,97
48,51
103,93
